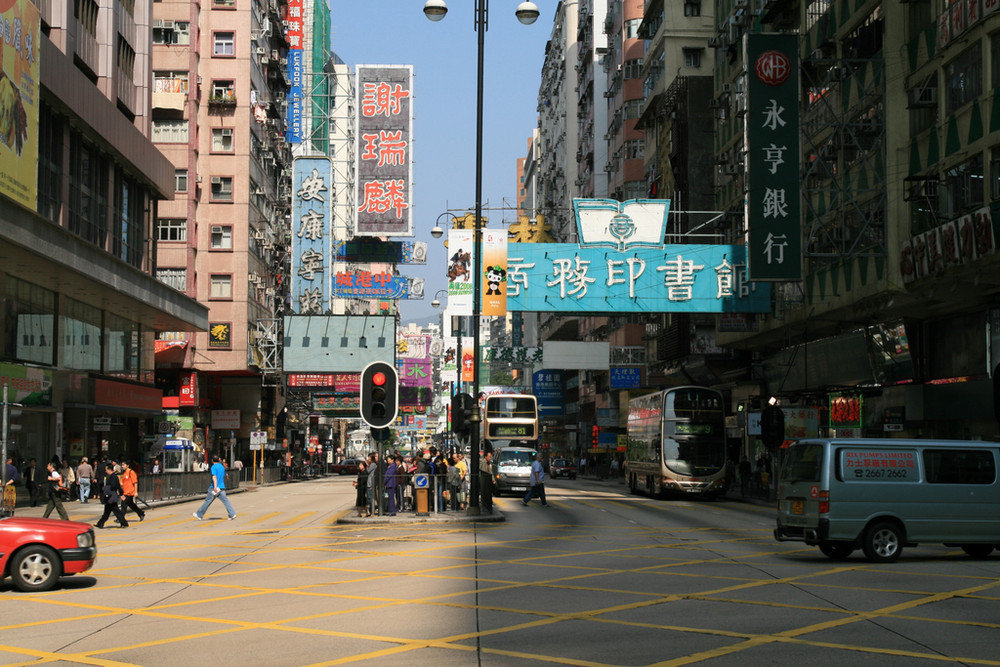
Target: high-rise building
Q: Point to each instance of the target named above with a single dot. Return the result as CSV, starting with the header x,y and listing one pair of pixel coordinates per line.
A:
x,y
81,187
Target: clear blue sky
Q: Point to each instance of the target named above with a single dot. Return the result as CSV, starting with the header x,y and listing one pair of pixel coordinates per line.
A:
x,y
443,55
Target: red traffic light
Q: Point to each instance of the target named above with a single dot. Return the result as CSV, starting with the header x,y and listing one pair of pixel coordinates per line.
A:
x,y
378,379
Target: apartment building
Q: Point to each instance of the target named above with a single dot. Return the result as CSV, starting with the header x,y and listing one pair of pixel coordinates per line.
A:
x,y
221,105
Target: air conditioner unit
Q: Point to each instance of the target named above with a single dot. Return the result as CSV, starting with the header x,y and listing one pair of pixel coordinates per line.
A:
x,y
727,87
926,189
217,180
715,42
197,179
740,4
722,158
922,98
261,51
732,169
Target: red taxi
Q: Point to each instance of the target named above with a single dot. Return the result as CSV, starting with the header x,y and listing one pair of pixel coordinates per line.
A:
x,y
36,552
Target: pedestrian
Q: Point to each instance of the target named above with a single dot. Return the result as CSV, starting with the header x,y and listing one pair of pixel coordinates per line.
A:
x,y
745,472
486,481
536,482
463,471
157,480
372,483
68,473
55,490
111,493
34,478
614,467
402,481
84,476
454,483
441,481
390,483
216,490
10,476
130,489
361,484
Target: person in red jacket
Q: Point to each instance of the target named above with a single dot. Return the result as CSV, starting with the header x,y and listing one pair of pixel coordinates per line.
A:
x,y
130,489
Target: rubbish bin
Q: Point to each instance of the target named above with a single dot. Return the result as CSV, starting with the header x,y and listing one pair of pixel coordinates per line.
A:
x,y
422,501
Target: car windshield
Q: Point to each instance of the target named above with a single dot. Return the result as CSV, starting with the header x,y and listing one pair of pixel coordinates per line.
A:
x,y
516,458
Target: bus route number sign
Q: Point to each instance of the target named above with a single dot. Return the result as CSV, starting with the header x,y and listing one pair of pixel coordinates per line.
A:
x,y
511,431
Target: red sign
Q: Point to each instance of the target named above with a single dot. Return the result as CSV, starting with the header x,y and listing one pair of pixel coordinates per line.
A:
x,y
122,395
189,388
773,68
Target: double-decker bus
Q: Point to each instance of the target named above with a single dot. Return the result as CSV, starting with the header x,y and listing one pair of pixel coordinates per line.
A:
x,y
677,442
511,420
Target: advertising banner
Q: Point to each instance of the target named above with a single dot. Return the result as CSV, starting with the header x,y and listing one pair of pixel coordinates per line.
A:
x,y
19,101
460,263
493,282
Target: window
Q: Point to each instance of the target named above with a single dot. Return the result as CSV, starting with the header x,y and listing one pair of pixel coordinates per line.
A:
x,y
171,229
692,8
223,4
633,68
167,32
31,325
959,466
170,82
995,173
692,57
224,44
222,140
222,237
80,330
994,60
222,286
964,78
632,28
176,278
963,187
170,131
633,108
223,91
180,180
222,188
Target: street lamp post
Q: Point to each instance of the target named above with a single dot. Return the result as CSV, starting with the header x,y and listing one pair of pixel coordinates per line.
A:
x,y
527,13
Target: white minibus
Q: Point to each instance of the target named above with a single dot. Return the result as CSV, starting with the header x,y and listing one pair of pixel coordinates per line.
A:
x,y
880,495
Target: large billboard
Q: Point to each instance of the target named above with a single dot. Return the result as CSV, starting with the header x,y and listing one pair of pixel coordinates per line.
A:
x,y
19,101
383,150
294,34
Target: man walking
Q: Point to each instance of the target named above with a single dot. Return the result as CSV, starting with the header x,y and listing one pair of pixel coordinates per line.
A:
x,y
486,481
33,480
111,495
130,489
54,490
84,475
536,482
217,490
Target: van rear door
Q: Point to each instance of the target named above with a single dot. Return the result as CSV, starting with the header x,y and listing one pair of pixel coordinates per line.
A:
x,y
799,481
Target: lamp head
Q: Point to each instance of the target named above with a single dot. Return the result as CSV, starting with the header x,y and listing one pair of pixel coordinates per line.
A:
x,y
436,231
435,9
526,12
436,303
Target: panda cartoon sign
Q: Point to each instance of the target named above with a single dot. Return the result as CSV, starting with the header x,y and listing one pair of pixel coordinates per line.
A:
x,y
494,275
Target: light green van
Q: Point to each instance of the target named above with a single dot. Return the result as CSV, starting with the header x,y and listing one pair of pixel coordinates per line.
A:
x,y
880,495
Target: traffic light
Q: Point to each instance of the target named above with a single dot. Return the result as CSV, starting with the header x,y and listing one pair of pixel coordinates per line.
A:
x,y
379,394
772,426
461,410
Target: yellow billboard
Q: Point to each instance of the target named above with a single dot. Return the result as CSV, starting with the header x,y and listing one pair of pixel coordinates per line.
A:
x,y
19,101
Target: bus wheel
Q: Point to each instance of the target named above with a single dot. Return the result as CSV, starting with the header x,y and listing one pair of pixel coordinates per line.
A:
x,y
883,542
978,550
837,550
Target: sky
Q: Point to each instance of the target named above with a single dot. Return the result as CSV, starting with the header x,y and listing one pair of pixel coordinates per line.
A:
x,y
444,57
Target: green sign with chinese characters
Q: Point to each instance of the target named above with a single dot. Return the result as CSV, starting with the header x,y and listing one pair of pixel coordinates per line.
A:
x,y
773,208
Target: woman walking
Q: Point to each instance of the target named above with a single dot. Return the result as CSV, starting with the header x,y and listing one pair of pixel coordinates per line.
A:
x,y
361,484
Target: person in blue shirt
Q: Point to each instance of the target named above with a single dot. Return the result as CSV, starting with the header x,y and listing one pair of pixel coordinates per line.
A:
x,y
217,490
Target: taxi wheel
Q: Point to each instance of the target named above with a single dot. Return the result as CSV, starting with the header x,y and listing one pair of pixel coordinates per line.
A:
x,y
35,568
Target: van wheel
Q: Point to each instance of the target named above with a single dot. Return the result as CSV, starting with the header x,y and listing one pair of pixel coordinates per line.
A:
x,y
978,550
837,550
883,542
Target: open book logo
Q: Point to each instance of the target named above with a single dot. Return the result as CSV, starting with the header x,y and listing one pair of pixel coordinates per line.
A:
x,y
607,222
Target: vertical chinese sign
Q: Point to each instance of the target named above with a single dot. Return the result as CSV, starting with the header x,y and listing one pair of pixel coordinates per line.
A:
x,y
384,129
494,279
294,34
415,380
311,237
19,101
772,141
